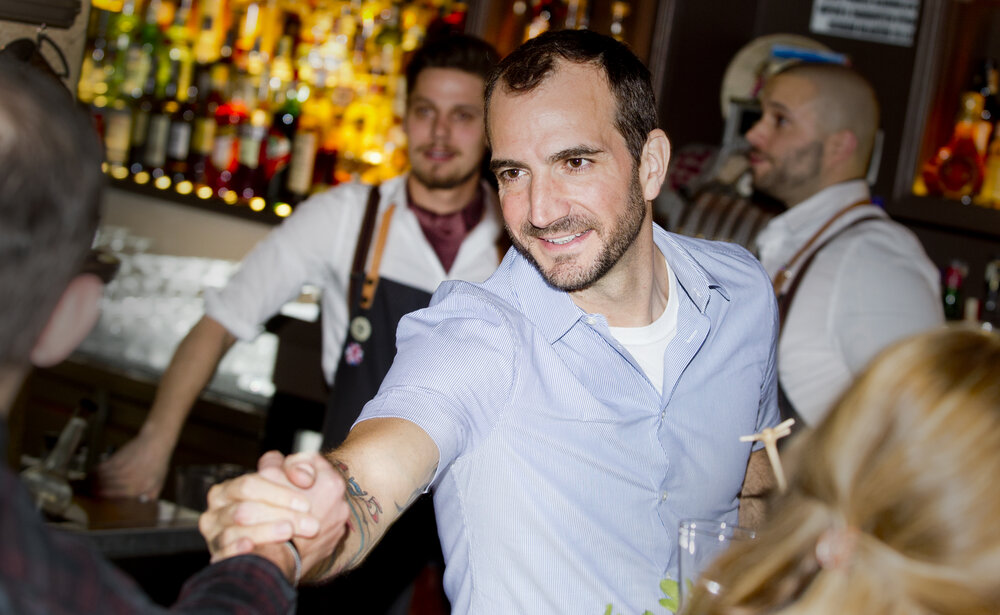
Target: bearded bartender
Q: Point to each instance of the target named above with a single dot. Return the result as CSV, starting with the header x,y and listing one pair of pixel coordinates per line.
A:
x,y
850,281
376,253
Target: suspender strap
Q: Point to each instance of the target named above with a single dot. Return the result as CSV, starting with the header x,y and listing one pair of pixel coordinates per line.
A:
x,y
779,279
361,251
785,298
371,280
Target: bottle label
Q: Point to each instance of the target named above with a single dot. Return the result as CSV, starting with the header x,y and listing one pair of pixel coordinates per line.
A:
x,y
203,135
277,154
156,141
140,127
179,141
250,152
118,125
300,169
222,151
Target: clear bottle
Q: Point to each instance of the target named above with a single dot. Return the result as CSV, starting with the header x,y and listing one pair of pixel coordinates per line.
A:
x,y
48,482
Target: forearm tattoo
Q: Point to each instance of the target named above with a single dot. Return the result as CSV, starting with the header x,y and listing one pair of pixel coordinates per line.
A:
x,y
366,512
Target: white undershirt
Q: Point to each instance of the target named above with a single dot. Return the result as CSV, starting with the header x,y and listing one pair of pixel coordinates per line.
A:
x,y
648,344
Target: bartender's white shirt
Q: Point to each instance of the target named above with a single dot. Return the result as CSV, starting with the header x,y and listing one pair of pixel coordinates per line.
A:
x,y
867,288
315,245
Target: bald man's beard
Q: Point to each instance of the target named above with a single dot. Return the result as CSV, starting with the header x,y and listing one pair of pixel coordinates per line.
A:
x,y
792,174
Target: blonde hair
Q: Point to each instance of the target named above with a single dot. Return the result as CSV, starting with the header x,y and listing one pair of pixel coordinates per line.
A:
x,y
908,458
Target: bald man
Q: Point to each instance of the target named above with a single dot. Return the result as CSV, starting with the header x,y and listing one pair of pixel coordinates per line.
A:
x,y
849,280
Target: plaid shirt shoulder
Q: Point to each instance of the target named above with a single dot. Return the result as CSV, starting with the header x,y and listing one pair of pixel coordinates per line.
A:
x,y
42,571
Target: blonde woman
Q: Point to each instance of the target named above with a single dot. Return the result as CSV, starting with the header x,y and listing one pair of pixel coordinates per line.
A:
x,y
893,504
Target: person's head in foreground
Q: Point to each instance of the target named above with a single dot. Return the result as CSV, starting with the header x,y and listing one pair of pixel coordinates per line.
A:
x,y
892,504
50,181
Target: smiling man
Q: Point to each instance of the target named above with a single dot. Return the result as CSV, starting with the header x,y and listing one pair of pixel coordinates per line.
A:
x,y
439,222
568,412
850,280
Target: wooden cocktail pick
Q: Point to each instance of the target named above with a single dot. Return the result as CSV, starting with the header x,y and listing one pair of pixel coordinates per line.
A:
x,y
770,436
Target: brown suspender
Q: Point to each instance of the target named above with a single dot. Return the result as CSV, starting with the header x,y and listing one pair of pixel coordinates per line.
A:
x,y
361,251
785,298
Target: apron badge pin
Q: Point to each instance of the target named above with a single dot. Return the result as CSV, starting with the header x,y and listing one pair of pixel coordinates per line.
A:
x,y
354,354
361,329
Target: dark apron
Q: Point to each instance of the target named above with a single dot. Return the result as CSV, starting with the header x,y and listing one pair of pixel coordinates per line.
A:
x,y
363,364
785,299
410,551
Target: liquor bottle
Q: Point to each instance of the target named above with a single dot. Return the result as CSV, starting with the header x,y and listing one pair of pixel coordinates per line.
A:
x,y
283,65
387,52
176,47
956,170
179,138
545,13
229,116
121,31
577,15
953,278
117,120
990,316
989,192
161,125
154,157
142,109
316,115
96,66
278,152
142,53
181,113
210,32
986,81
211,82
620,10
249,180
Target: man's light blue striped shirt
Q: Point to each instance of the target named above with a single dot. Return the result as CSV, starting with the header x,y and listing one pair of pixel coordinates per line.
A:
x,y
563,473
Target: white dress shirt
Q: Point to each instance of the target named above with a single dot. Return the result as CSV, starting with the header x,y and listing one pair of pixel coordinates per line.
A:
x,y
870,286
316,244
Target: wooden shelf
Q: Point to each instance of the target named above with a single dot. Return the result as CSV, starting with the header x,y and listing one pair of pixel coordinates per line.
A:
x,y
950,214
266,215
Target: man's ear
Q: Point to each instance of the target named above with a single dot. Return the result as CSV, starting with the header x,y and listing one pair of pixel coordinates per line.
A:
x,y
71,320
841,147
653,163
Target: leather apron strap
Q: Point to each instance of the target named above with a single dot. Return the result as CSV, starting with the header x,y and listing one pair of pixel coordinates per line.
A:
x,y
786,298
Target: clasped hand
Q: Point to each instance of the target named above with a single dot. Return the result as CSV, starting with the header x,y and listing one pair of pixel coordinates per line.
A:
x,y
299,497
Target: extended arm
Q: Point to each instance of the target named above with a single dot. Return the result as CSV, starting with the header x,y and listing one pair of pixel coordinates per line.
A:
x,y
378,472
139,467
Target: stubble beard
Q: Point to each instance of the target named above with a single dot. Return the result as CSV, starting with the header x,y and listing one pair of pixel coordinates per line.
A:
x,y
788,177
431,180
566,273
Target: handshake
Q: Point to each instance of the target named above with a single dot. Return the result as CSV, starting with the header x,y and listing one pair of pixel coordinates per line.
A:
x,y
293,511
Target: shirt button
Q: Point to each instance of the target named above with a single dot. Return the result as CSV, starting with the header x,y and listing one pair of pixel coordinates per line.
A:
x,y
591,320
663,496
663,415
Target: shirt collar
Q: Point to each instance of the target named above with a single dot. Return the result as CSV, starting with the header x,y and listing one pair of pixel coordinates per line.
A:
x,y
554,313
810,214
471,213
795,225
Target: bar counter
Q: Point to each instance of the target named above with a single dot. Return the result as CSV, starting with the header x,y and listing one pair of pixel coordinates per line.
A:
x,y
129,528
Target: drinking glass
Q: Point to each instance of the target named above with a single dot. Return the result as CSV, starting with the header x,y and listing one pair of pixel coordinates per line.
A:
x,y
699,542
